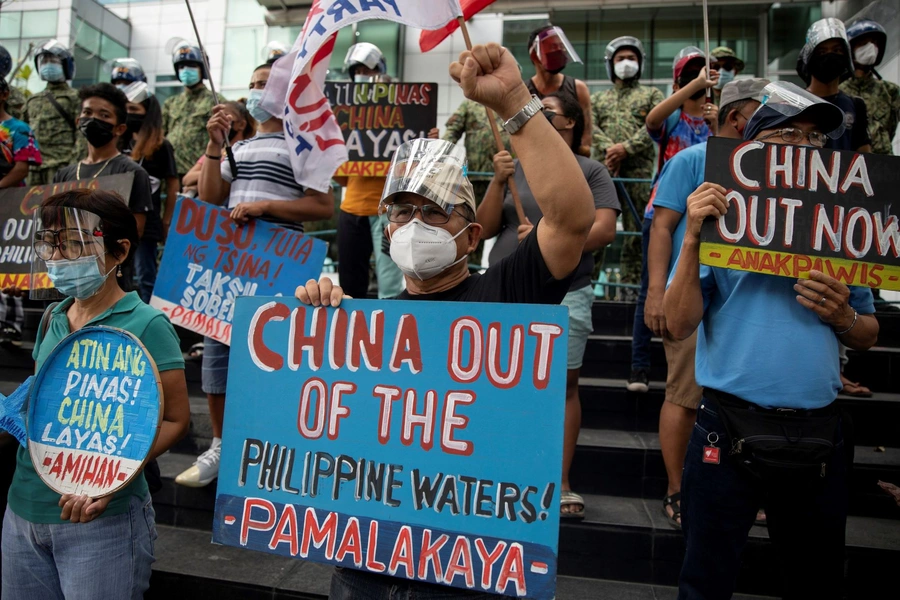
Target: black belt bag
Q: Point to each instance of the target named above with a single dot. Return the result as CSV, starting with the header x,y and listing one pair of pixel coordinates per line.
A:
x,y
778,444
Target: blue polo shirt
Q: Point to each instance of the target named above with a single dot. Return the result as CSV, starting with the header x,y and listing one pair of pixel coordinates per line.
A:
x,y
683,174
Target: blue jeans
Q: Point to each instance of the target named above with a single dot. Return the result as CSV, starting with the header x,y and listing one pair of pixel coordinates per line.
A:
x,y
109,557
719,502
145,268
350,584
640,333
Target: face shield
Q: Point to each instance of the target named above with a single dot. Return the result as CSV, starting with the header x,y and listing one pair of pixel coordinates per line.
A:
x,y
367,55
68,257
433,169
791,101
125,70
554,50
137,92
273,51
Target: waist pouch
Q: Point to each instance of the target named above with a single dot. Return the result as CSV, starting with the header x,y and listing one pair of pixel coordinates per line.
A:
x,y
776,443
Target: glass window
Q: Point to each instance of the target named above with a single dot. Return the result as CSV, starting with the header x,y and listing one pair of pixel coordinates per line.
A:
x,y
787,33
243,47
87,37
10,24
110,48
87,67
244,12
38,23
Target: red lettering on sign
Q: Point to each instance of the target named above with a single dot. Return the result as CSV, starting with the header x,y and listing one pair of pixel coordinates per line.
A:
x,y
248,522
262,356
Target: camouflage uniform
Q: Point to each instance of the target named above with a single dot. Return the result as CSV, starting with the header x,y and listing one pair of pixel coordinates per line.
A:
x,y
619,115
57,139
184,124
882,100
15,104
470,118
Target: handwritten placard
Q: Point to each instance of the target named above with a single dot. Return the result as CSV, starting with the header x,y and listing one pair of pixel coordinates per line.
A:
x,y
94,412
421,440
793,209
209,261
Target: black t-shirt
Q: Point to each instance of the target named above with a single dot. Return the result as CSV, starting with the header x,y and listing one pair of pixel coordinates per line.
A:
x,y
141,201
856,122
159,167
520,278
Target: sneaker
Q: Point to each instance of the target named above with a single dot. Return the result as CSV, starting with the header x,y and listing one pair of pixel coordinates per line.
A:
x,y
639,381
10,336
205,469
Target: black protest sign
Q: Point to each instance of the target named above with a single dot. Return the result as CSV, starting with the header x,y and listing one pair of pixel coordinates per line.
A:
x,y
376,118
793,209
16,208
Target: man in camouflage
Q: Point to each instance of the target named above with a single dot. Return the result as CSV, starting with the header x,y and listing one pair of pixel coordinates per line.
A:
x,y
882,98
15,104
52,113
185,115
621,141
471,119
725,61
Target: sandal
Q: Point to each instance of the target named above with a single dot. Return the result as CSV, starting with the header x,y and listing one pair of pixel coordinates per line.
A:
x,y
570,498
196,351
760,520
853,388
673,502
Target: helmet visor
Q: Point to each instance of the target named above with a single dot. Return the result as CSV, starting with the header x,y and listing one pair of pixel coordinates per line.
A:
x,y
61,234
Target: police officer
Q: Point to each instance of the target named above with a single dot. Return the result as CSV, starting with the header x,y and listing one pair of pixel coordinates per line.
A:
x,y
52,112
868,40
15,104
125,71
186,114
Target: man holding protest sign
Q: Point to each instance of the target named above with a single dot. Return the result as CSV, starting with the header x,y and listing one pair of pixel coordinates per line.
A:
x,y
431,207
264,188
767,431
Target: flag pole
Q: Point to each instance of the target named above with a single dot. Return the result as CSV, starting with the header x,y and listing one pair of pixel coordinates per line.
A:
x,y
212,87
709,92
497,139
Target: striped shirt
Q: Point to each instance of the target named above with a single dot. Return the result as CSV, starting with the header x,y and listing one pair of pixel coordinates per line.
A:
x,y
263,173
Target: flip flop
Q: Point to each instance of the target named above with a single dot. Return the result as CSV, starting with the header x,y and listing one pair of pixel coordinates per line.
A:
x,y
570,498
673,502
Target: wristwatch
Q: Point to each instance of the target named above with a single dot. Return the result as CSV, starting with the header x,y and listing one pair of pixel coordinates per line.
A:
x,y
520,118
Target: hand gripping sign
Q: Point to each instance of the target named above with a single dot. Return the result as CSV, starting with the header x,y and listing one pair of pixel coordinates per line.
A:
x,y
420,440
94,412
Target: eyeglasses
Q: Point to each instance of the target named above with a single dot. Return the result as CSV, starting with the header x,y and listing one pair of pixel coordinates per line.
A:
x,y
50,239
793,135
550,114
404,213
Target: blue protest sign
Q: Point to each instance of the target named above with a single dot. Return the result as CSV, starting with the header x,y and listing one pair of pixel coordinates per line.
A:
x,y
210,260
12,411
416,439
94,412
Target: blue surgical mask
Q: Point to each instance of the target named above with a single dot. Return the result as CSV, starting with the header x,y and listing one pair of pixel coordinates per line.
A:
x,y
255,109
189,76
724,77
52,72
80,278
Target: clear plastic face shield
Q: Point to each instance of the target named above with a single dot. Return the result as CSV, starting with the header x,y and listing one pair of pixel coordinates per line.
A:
x,y
369,56
790,100
686,52
50,52
68,257
273,51
125,70
554,50
434,169
826,29
137,92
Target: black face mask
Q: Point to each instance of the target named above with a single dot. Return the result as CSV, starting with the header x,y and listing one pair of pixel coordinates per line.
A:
x,y
134,123
98,133
828,67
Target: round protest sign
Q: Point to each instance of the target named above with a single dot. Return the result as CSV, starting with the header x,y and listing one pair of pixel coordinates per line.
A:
x,y
94,412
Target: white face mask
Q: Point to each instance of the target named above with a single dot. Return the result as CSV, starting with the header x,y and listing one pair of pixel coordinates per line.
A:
x,y
866,55
422,251
626,69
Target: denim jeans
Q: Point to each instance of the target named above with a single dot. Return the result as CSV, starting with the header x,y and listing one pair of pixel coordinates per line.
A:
x,y
350,584
640,333
109,557
145,267
719,502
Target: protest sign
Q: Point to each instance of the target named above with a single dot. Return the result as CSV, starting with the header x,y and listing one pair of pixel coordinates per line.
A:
x,y
421,440
793,209
16,208
94,412
210,260
376,118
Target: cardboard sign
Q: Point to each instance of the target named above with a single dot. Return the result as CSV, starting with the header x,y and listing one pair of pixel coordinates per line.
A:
x,y
210,260
421,440
793,209
16,235
94,412
377,118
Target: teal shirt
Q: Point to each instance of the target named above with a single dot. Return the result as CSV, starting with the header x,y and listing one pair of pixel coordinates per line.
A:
x,y
29,497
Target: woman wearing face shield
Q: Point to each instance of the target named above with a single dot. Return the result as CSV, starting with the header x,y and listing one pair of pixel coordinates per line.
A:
x,y
53,544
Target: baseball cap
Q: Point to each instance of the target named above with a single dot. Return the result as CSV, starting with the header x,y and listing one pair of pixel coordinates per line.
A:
x,y
684,57
726,52
434,169
743,89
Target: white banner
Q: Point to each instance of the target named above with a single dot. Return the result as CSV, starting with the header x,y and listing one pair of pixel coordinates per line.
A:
x,y
294,90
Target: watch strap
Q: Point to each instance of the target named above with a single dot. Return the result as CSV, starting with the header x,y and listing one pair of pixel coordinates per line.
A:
x,y
519,119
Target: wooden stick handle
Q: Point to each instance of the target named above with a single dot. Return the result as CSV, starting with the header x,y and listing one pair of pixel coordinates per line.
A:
x,y
496,131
